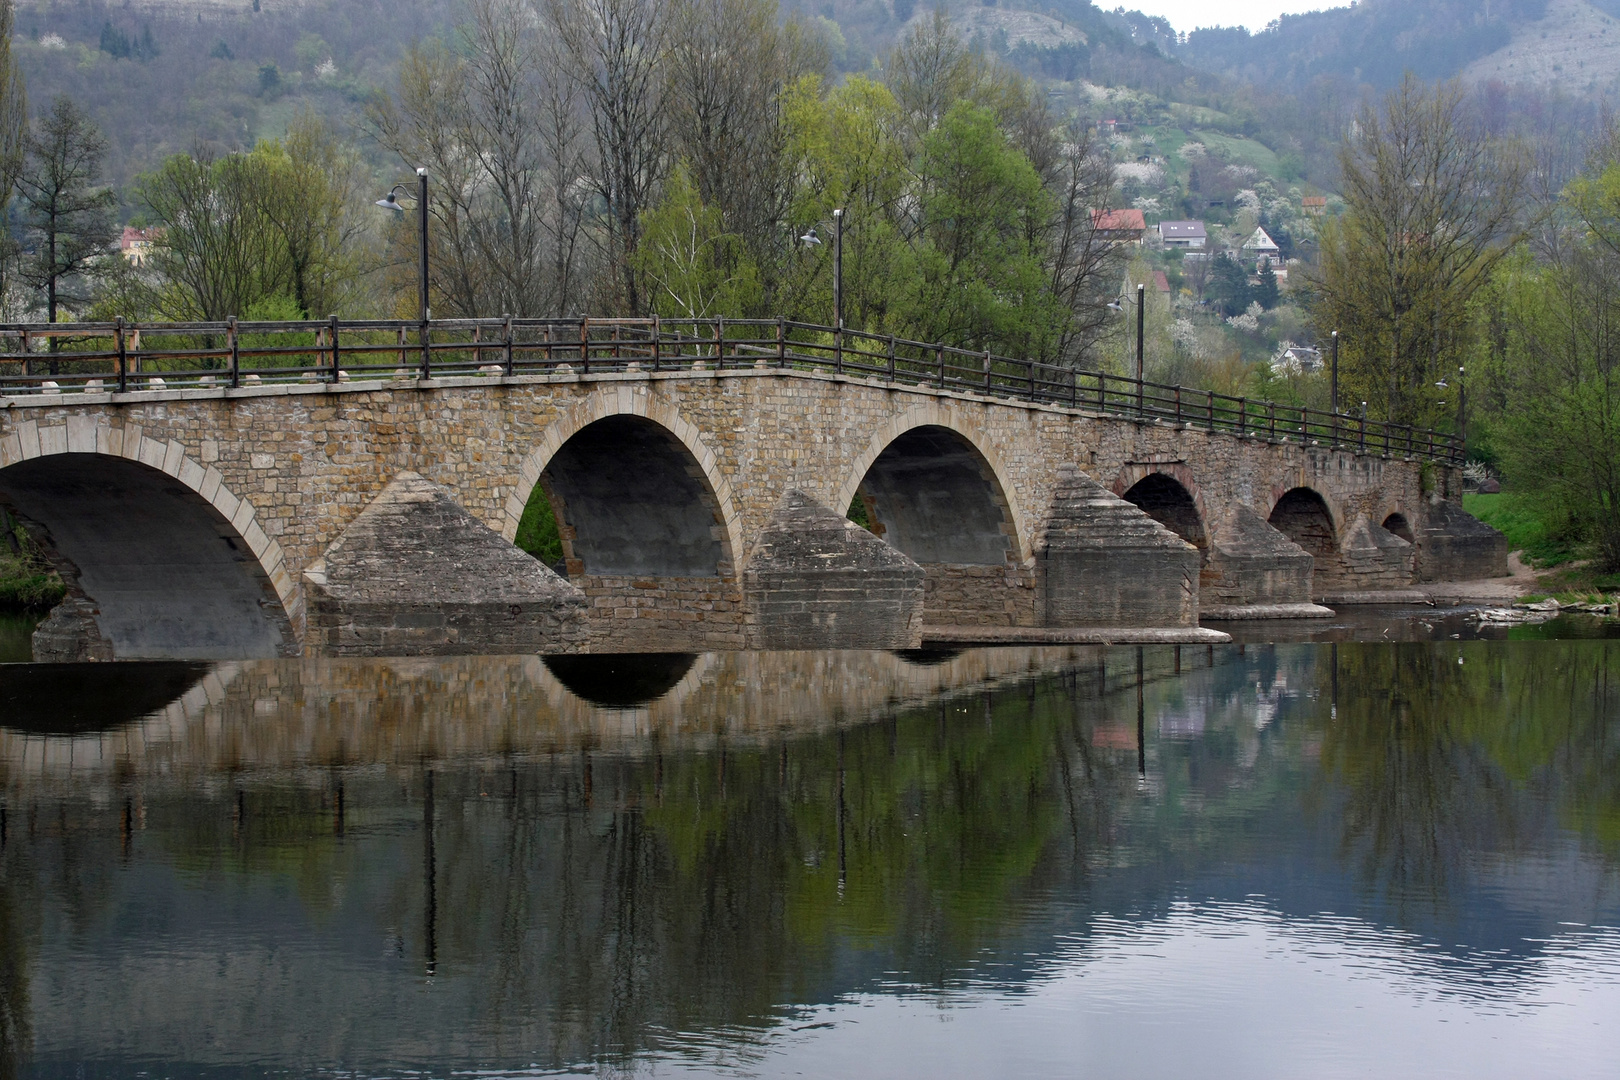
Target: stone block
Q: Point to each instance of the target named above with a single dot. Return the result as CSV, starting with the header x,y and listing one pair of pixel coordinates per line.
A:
x,y
1101,561
1251,563
416,575
1370,558
816,580
1453,545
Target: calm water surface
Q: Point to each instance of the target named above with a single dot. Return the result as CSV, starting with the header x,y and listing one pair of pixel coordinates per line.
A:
x,y
1311,859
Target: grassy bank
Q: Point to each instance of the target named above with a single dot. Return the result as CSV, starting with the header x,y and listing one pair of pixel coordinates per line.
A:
x,y
1546,545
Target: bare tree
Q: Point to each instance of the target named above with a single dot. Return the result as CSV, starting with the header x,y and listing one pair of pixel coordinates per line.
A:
x,y
615,51
1085,263
67,207
1432,202
499,132
725,72
13,134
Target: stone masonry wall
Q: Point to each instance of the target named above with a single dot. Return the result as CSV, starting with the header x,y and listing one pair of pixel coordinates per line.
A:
x,y
979,596
291,466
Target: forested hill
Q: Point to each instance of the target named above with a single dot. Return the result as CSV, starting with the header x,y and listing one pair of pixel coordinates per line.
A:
x,y
1572,45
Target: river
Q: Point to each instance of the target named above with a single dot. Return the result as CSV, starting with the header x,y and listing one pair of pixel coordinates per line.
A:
x,y
1315,858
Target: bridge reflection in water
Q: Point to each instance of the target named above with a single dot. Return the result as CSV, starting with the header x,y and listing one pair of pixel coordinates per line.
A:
x,y
432,865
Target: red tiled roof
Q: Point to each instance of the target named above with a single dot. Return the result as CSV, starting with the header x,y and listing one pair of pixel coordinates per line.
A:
x,y
1118,221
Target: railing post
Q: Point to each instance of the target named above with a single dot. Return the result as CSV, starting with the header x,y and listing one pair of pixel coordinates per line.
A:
x,y
1363,428
1210,406
891,358
1243,416
838,349
507,360
719,343
584,344
1141,408
1102,392
1031,364
1178,403
27,367
427,350
1074,388
987,372
478,345
123,357
337,365
781,342
233,339
939,359
1271,412
657,342
401,365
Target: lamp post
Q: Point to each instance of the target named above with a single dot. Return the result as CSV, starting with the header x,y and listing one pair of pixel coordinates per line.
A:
x,y
1334,406
391,202
1141,315
838,269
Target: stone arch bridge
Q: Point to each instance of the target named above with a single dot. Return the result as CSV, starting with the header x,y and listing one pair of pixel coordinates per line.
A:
x,y
698,509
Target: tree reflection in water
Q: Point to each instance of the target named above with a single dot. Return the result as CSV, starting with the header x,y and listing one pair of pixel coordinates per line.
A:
x,y
590,898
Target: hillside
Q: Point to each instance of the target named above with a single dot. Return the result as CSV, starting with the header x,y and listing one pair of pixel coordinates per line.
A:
x,y
1563,42
1575,46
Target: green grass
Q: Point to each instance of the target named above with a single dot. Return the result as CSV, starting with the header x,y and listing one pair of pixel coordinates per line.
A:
x,y
1241,151
1543,544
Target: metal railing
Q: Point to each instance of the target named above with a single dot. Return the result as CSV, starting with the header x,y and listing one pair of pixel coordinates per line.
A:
x,y
122,357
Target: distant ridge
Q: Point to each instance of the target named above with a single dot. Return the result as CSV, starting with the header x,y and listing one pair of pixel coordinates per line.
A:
x,y
1571,44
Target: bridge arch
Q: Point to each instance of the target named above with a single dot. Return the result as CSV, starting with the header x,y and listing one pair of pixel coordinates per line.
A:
x,y
620,414
176,562
942,426
1170,495
1400,523
1306,518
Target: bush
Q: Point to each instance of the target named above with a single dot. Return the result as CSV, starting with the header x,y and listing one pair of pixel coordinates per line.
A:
x,y
26,583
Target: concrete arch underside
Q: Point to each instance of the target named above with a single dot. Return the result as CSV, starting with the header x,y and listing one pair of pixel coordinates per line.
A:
x,y
934,489
1170,497
160,560
649,528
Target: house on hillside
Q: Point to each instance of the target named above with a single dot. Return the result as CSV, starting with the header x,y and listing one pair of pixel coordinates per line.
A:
x,y
1260,245
1315,205
1183,234
136,244
1161,283
1119,226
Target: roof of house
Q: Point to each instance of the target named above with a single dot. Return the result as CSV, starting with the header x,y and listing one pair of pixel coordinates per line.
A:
x,y
1183,230
1161,282
1118,221
1260,241
133,236
1314,200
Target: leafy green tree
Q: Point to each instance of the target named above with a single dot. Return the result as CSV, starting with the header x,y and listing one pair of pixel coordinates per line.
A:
x,y
237,232
976,277
1265,290
1229,286
843,153
1558,441
693,267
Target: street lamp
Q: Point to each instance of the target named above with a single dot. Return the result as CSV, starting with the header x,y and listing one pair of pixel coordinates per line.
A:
x,y
1118,304
391,202
1334,405
810,239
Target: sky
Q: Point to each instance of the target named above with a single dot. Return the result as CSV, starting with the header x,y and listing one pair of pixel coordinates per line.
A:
x,y
1191,14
